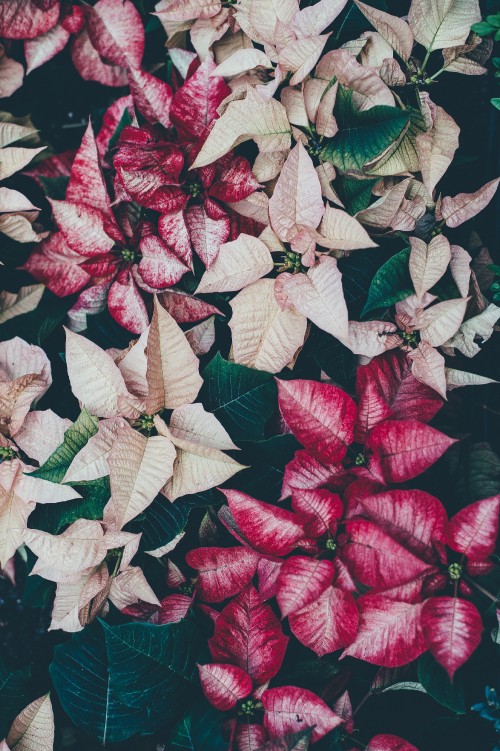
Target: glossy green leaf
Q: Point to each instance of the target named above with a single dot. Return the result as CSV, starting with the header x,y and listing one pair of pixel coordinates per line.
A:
x,y
199,730
242,398
75,438
120,681
364,135
14,694
436,682
391,283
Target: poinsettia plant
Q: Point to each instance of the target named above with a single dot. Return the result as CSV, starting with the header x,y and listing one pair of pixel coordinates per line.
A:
x,y
244,504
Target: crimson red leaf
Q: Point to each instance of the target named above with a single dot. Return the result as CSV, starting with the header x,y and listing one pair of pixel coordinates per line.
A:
x,y
186,308
194,105
452,628
328,623
305,472
159,267
116,32
249,736
234,179
269,529
222,572
390,632
248,634
86,182
289,709
151,95
24,19
376,559
208,227
343,708
406,448
126,304
173,609
301,581
224,685
319,415
473,531
389,743
386,386
320,508
412,517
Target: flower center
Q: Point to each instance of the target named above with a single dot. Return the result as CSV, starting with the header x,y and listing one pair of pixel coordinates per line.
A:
x,y
248,707
128,255
146,422
291,262
194,188
360,460
455,571
331,544
6,452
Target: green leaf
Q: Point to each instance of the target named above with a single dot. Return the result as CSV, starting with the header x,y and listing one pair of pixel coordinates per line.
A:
x,y
199,730
292,742
476,472
403,152
54,187
494,20
391,283
161,522
120,681
53,517
124,121
14,694
364,135
242,398
436,682
355,194
483,29
75,438
496,102
358,271
337,360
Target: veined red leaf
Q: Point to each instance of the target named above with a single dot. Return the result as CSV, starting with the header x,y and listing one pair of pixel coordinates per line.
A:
x,y
305,472
452,628
473,531
388,380
390,632
320,508
248,634
116,32
302,580
328,623
414,518
406,448
319,415
289,709
194,105
224,685
222,572
374,558
269,529
389,743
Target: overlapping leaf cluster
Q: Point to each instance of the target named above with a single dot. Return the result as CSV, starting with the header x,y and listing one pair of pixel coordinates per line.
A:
x,y
236,513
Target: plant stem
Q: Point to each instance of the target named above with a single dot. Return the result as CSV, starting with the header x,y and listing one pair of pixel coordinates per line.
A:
x,y
481,589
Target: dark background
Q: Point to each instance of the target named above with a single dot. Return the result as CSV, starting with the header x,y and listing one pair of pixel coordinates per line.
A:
x,y
59,103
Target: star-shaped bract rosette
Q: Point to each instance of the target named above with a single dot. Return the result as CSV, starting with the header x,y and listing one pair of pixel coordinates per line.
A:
x,y
153,169
104,250
420,566
383,439
131,392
